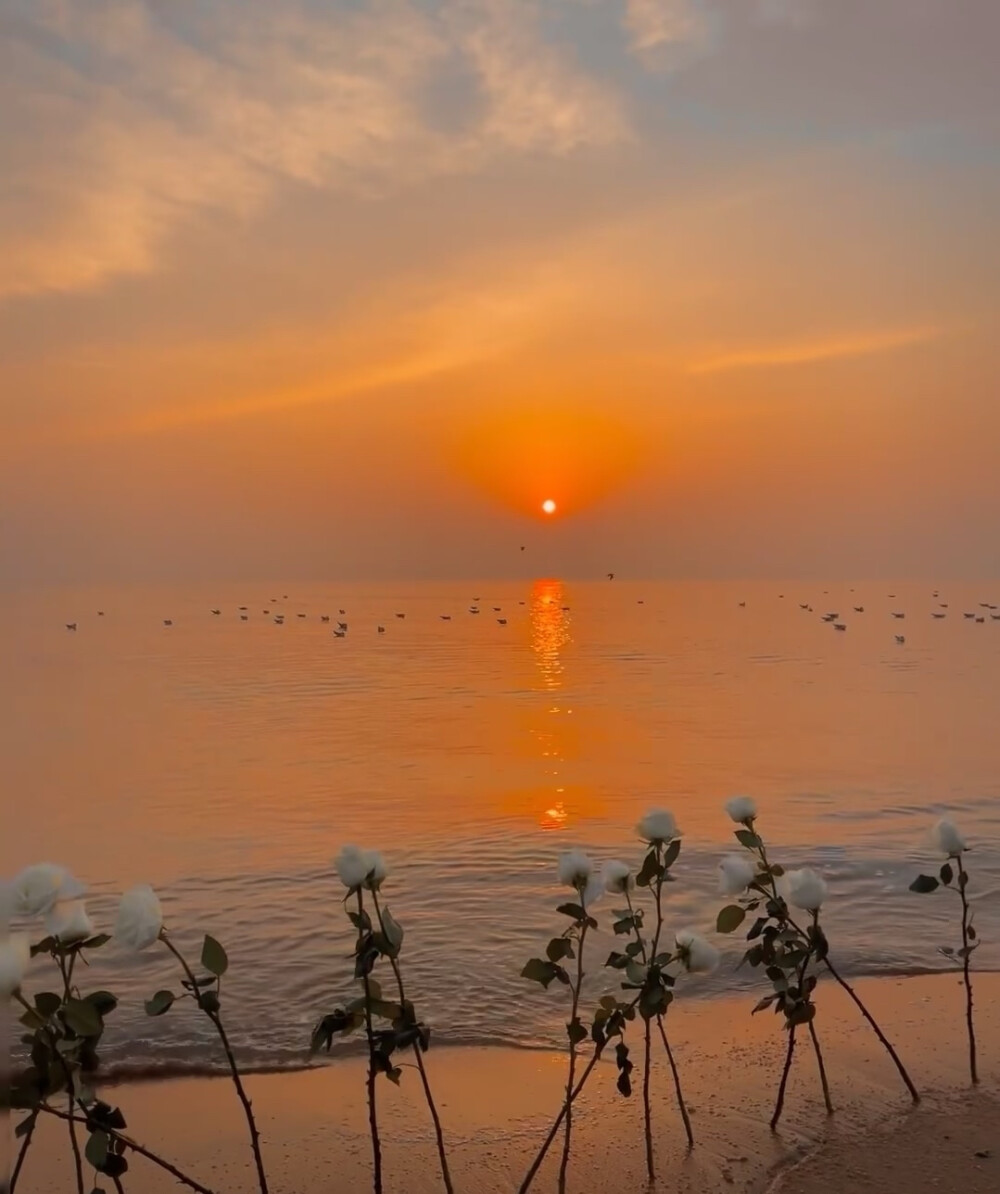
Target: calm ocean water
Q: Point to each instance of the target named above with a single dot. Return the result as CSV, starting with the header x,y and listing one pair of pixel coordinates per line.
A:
x,y
226,761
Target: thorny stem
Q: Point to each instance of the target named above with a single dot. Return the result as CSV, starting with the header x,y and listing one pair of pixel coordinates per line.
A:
x,y
129,1143
914,1093
663,1033
529,1177
67,975
372,1111
230,1057
417,1053
647,1115
822,1068
883,1039
564,1162
23,1151
677,1083
779,1105
963,880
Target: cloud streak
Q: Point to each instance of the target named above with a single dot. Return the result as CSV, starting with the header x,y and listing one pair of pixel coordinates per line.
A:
x,y
811,352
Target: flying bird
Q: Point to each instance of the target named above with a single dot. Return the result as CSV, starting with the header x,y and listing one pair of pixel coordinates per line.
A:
x,y
501,621
70,625
611,576
168,622
900,638
219,611
381,630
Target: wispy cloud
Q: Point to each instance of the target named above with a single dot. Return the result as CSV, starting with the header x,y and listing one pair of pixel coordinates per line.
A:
x,y
807,352
655,23
127,117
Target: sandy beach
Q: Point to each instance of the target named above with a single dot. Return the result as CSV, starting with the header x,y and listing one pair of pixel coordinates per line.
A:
x,y
498,1103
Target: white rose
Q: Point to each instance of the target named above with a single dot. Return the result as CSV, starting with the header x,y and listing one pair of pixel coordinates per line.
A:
x,y
575,868
140,918
37,888
68,921
617,876
658,825
805,889
360,868
696,955
946,839
15,953
577,871
741,808
736,873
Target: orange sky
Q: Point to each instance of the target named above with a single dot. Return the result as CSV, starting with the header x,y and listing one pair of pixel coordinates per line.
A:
x,y
348,289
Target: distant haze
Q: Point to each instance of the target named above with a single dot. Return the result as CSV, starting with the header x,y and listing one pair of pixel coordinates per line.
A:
x,y
349,288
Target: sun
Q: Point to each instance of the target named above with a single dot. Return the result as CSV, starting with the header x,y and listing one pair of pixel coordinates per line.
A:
x,y
549,506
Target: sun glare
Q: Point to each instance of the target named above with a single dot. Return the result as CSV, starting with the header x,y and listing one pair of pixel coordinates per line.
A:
x,y
549,506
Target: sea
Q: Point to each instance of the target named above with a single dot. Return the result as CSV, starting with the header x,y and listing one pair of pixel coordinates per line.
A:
x,y
226,757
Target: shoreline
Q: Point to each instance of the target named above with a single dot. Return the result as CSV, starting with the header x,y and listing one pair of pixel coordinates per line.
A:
x,y
497,1102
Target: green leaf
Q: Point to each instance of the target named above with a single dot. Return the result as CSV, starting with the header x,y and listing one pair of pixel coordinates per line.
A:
x,y
558,948
671,853
213,957
923,884
539,971
572,910
97,941
730,918
97,1149
104,1001
635,972
209,1001
393,931
748,838
82,1017
947,874
48,1003
616,960
649,870
160,1003
576,1032
971,931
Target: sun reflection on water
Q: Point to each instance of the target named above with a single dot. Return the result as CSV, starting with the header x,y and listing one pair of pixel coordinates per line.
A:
x,y
549,636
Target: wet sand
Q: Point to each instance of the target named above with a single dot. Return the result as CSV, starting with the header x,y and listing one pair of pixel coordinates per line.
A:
x,y
497,1104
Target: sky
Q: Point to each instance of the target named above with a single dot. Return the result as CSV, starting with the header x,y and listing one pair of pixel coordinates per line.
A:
x,y
348,288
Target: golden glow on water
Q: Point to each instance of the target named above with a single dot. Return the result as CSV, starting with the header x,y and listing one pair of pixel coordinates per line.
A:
x,y
549,637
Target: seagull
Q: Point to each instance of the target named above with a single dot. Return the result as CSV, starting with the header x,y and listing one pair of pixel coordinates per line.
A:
x,y
496,609
473,609
445,617
242,607
565,609
219,611
830,617
900,638
340,634
279,620
401,615
300,615
324,617
100,613
244,617
933,615
803,606
641,601
611,576
265,611
840,626
522,547
501,621
168,622
969,615
898,615
381,630
995,617
859,609
981,618
743,605
70,625
341,612
341,625
943,604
